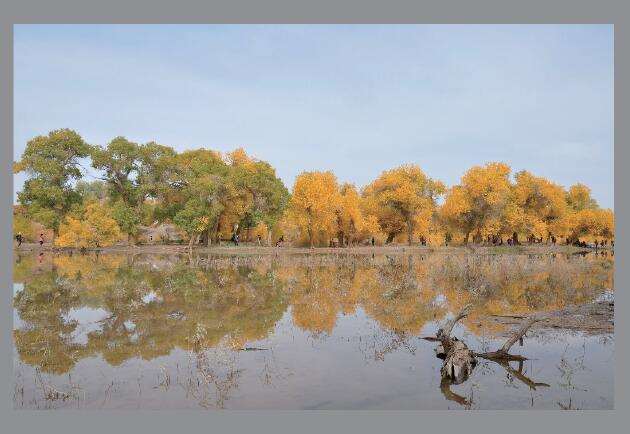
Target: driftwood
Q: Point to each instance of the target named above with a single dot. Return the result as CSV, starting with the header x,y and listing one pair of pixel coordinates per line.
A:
x,y
459,360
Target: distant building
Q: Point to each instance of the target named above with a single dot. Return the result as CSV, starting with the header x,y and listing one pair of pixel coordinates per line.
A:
x,y
164,233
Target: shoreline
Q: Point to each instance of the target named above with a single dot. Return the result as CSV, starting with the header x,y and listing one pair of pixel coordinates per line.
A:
x,y
593,319
289,250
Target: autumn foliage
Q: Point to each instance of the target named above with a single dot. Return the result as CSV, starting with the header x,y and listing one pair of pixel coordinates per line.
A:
x,y
212,196
94,227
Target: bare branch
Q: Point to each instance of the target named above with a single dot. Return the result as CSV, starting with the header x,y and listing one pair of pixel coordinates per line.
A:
x,y
445,331
519,334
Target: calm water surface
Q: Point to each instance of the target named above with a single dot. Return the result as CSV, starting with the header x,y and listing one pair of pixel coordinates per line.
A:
x,y
299,331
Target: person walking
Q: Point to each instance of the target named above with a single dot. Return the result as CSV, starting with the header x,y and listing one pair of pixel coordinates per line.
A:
x,y
18,238
41,240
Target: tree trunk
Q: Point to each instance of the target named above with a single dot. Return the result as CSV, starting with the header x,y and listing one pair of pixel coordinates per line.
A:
x,y
54,236
409,232
341,238
216,231
310,237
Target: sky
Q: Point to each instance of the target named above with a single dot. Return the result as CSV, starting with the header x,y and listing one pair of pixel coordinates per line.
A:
x,y
356,99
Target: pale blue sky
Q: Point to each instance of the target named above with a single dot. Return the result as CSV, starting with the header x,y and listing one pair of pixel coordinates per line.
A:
x,y
353,99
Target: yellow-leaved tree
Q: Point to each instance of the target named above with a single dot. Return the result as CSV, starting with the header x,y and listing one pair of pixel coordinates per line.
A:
x,y
473,206
404,200
584,218
593,224
313,205
538,207
352,224
95,228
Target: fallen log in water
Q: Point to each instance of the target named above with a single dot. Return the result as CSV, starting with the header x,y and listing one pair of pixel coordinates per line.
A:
x,y
459,360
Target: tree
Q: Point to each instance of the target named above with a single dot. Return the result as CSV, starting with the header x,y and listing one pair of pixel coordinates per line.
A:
x,y
94,190
267,196
195,218
21,222
52,163
157,172
127,218
351,221
403,199
540,206
313,204
593,224
262,194
96,228
200,191
120,162
479,199
579,198
159,182
580,219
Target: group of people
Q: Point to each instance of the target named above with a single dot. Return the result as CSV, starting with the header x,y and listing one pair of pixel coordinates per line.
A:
x,y
236,239
19,238
598,244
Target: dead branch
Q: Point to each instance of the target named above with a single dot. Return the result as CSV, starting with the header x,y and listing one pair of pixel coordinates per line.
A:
x,y
520,333
446,330
459,360
503,353
500,355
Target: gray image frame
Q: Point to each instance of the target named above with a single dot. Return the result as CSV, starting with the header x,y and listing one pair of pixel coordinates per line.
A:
x,y
322,11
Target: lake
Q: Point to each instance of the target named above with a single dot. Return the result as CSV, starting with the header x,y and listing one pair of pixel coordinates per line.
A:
x,y
300,331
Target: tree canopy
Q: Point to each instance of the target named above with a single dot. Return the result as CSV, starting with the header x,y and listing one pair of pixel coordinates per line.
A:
x,y
211,196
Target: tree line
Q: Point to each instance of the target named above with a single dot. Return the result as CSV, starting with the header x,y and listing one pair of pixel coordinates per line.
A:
x,y
212,196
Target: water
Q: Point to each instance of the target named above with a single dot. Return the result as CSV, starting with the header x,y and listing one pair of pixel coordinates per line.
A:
x,y
300,331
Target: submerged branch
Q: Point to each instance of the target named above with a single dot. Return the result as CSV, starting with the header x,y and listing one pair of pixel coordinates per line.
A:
x,y
459,360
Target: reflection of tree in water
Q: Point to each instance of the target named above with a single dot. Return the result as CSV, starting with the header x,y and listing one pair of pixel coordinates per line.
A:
x,y
516,284
382,342
212,373
46,338
397,297
244,302
156,304
319,294
149,313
